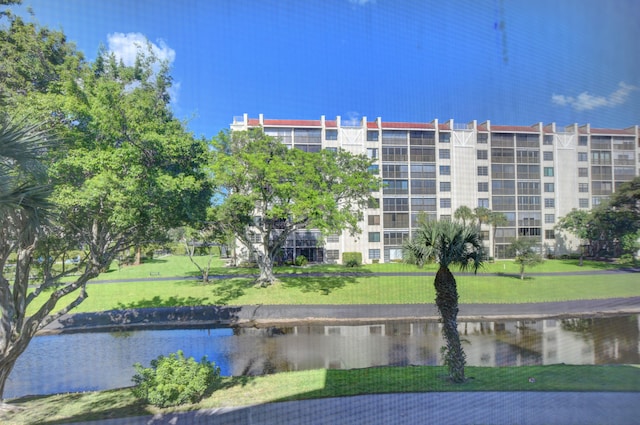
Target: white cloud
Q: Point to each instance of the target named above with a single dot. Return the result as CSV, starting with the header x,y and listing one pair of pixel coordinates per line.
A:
x,y
127,46
586,102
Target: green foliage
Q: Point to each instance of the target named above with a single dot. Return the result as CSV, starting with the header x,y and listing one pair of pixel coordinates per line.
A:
x,y
523,249
271,191
174,380
301,260
352,259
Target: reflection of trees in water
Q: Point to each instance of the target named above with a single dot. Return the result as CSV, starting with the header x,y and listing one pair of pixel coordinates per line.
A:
x,y
615,339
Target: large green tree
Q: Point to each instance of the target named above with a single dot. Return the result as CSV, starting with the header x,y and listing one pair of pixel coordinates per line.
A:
x,y
123,170
449,244
269,191
576,222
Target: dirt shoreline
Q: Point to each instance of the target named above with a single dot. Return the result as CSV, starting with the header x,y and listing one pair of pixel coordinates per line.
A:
x,y
283,315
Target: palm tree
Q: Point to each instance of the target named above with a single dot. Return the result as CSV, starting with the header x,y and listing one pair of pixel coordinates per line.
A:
x,y
482,214
464,214
447,243
496,219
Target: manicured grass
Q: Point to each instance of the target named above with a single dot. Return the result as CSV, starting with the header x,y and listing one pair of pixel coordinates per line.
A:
x,y
179,266
337,289
238,391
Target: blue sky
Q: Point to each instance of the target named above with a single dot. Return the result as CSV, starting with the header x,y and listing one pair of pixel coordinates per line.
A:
x,y
513,62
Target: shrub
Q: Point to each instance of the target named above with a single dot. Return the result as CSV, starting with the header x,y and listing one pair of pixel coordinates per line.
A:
x,y
301,260
352,259
174,380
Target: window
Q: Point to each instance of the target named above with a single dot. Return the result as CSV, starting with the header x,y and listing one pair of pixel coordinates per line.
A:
x,y
334,238
333,254
548,171
423,171
583,157
445,217
445,202
372,153
483,170
374,220
374,169
503,171
374,236
331,149
482,154
583,172
549,234
394,154
422,138
395,204
395,238
547,156
395,171
423,204
445,186
483,186
373,203
583,187
549,187
372,136
394,137
395,187
423,187
583,141
503,187
547,140
549,203
444,153
307,135
445,170
396,220
444,137
583,203
422,154
483,138
549,218
374,254
331,134
483,202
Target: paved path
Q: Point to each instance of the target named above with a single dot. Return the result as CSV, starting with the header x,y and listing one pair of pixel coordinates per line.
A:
x,y
497,408
264,315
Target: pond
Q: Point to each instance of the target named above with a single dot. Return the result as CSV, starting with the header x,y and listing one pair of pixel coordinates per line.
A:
x,y
97,361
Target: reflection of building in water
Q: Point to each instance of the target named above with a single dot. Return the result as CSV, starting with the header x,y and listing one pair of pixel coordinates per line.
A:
x,y
517,343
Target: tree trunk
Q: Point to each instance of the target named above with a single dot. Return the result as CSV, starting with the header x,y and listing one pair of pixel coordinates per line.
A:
x,y
521,271
265,264
9,360
447,302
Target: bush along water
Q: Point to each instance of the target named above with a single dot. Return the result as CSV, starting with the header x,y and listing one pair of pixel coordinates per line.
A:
x,y
174,380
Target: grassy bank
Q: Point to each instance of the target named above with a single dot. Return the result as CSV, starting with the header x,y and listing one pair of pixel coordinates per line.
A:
x,y
333,288
320,383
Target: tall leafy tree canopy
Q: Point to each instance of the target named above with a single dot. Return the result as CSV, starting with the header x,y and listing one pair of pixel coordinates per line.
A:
x,y
269,191
120,170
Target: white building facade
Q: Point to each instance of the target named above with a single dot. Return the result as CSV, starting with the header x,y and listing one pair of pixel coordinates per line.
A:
x,y
532,174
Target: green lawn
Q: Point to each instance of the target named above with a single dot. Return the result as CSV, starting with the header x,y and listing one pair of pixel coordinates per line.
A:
x,y
340,289
238,391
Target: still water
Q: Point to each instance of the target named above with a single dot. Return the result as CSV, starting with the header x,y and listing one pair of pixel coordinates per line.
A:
x,y
96,361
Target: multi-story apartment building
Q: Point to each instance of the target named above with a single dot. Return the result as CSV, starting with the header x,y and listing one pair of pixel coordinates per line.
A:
x,y
532,174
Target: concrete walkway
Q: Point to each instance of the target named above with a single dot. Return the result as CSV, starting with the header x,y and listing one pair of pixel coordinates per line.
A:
x,y
495,408
265,315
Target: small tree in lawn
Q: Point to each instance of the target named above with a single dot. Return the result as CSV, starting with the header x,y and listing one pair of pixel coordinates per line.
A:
x,y
525,255
447,243
269,191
